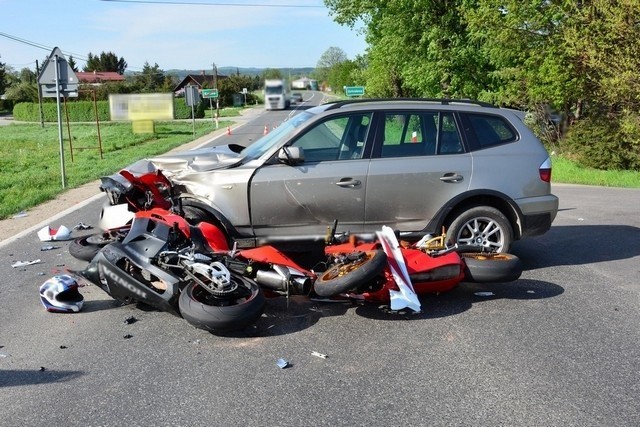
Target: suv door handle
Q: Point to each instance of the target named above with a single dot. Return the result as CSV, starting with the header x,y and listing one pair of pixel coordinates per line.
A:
x,y
451,177
348,182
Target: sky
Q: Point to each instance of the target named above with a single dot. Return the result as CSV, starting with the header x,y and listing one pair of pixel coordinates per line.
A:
x,y
178,34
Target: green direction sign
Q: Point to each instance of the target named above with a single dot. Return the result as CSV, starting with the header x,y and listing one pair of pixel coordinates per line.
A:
x,y
209,93
354,90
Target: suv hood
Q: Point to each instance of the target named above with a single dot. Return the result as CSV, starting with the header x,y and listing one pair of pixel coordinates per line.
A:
x,y
200,160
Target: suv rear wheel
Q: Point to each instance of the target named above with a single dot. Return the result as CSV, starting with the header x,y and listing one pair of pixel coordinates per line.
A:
x,y
483,226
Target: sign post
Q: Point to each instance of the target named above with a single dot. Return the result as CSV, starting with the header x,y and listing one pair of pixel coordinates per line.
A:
x,y
57,79
211,94
192,98
354,90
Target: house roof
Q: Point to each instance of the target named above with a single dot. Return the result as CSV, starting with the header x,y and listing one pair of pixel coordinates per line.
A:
x,y
99,76
197,79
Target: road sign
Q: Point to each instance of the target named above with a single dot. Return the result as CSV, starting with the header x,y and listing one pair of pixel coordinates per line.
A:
x,y
209,93
354,90
57,78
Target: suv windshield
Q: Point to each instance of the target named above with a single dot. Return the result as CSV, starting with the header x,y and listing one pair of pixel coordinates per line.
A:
x,y
276,137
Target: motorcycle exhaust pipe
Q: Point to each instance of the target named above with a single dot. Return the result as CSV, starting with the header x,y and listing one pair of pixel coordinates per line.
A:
x,y
280,281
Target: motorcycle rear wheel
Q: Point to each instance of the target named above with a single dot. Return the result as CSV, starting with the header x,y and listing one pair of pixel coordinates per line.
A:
x,y
216,314
347,276
494,267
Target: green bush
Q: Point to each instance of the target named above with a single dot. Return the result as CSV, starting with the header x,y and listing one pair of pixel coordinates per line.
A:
x,y
78,111
84,111
605,144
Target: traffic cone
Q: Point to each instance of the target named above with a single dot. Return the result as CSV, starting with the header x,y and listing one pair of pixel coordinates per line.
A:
x,y
228,130
266,130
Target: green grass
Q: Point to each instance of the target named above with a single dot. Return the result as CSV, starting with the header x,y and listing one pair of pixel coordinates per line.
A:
x,y
30,169
568,172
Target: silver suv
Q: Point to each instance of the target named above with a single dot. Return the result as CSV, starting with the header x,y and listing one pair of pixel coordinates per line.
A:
x,y
418,166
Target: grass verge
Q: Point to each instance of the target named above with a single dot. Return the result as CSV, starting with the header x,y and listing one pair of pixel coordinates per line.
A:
x,y
568,172
30,167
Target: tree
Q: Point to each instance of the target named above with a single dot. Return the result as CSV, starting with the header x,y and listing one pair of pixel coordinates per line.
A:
x,y
329,59
3,82
271,73
150,79
418,48
105,62
72,63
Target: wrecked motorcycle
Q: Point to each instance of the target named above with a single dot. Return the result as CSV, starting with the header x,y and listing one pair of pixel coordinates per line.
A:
x,y
190,271
387,271
127,192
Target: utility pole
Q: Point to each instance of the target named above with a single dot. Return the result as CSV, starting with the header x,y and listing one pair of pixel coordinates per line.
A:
x,y
215,86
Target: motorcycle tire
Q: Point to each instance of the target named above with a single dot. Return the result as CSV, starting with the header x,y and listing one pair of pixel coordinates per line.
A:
x,y
344,277
85,248
487,268
201,310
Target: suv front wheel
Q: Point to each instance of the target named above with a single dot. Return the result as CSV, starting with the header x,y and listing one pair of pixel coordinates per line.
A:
x,y
483,226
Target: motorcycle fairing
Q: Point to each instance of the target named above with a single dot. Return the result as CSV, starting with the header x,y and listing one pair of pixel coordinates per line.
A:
x,y
109,268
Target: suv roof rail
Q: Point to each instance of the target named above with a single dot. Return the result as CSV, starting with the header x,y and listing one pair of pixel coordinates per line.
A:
x,y
443,101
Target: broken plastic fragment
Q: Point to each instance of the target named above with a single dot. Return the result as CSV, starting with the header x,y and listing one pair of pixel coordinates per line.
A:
x,y
129,320
47,234
484,294
49,248
282,363
126,337
24,263
82,226
320,355
20,214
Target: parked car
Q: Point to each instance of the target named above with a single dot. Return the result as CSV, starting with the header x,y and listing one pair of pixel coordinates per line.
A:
x,y
418,166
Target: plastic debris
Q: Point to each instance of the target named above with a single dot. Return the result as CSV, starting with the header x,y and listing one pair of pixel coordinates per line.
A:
x,y
127,336
63,347
48,234
130,320
24,263
320,355
484,294
82,226
20,214
282,363
42,369
49,248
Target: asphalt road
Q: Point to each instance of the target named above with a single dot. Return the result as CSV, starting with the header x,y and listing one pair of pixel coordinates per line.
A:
x,y
560,346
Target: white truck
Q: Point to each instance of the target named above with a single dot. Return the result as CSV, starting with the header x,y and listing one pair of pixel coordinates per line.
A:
x,y
276,94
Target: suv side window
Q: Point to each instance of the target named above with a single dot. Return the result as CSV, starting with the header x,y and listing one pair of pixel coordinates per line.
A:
x,y
338,138
420,134
488,130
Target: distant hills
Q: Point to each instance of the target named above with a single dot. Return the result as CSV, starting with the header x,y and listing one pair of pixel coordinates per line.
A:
x,y
245,71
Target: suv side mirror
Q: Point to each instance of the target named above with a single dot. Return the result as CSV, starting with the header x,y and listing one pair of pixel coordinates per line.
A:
x,y
291,155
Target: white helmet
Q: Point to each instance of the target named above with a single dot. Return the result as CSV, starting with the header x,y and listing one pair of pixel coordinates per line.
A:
x,y
60,294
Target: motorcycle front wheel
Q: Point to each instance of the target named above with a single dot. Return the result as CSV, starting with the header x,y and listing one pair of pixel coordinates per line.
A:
x,y
349,275
217,313
86,247
494,267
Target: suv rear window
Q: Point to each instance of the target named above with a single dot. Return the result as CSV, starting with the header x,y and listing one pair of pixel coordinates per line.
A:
x,y
488,130
409,134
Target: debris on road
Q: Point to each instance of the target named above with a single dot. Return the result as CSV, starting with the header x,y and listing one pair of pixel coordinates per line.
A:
x,y
25,263
48,234
282,363
320,355
484,294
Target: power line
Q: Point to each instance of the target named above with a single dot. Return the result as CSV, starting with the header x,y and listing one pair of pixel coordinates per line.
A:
x,y
191,3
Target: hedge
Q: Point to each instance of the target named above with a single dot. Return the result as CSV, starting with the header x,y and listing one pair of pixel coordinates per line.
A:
x,y
84,111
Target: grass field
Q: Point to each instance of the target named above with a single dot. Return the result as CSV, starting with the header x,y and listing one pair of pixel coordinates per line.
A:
x,y
30,167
